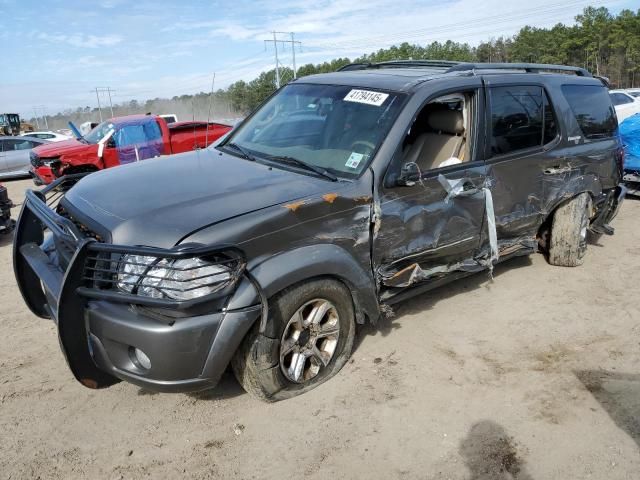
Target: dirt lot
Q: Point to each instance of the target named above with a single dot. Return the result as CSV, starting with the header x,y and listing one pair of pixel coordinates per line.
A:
x,y
534,375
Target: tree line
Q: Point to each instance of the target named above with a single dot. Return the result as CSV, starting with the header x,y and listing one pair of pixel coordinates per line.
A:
x,y
603,43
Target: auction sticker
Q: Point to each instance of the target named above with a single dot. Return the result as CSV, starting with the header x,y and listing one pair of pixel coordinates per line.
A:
x,y
366,96
354,160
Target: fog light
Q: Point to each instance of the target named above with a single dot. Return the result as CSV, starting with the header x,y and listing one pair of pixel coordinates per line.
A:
x,y
140,358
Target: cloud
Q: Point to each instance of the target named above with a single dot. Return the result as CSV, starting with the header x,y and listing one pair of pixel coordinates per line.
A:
x,y
81,40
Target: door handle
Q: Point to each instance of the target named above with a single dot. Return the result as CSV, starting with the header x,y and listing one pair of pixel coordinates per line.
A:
x,y
556,170
469,187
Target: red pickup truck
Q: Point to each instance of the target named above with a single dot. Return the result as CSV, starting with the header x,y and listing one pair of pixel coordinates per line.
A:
x,y
118,141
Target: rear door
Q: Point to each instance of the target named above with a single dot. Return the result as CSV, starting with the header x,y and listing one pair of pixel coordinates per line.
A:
x,y
547,142
524,165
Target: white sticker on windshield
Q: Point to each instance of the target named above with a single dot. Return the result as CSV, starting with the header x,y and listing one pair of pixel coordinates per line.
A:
x,y
354,160
366,96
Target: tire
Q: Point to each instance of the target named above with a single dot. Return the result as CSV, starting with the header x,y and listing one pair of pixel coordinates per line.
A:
x,y
568,242
260,365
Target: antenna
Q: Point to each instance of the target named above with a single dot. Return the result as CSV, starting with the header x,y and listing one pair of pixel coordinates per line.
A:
x,y
206,137
193,120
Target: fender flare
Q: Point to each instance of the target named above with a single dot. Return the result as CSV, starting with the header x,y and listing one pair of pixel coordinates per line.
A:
x,y
289,268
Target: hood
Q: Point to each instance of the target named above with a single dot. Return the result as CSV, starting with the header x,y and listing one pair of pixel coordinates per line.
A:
x,y
160,201
65,147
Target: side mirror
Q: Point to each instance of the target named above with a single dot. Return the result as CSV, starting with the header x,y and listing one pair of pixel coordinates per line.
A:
x,y
409,175
111,143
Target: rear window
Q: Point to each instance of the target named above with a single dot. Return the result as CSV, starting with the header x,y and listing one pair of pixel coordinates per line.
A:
x,y
593,110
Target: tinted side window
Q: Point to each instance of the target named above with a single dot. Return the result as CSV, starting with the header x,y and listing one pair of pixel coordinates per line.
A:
x,y
593,110
620,98
516,118
550,124
20,144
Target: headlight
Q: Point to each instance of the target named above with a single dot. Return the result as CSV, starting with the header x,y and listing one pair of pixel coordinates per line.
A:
x,y
182,279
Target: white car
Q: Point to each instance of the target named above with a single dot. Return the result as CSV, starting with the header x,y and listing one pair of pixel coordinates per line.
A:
x,y
624,103
50,136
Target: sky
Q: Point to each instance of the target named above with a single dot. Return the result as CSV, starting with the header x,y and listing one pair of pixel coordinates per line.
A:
x,y
55,52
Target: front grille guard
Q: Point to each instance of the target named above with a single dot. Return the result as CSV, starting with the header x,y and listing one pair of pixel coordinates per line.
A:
x,y
97,276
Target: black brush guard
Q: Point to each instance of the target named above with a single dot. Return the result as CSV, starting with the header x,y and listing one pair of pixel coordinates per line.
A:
x,y
56,283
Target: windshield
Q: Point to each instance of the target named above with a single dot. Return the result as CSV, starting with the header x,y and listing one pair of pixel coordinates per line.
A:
x,y
95,135
336,128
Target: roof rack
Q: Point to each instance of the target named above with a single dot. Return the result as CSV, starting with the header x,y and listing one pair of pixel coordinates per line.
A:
x,y
527,67
441,64
450,66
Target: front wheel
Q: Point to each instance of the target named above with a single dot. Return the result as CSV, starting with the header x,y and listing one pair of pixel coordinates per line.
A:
x,y
308,339
568,242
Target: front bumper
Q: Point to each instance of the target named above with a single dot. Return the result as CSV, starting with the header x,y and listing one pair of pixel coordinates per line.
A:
x,y
99,331
42,175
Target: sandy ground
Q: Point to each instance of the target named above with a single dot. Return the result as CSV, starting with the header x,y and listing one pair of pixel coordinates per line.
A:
x,y
534,375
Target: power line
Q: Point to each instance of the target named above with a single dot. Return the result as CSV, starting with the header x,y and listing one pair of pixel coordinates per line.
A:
x,y
523,14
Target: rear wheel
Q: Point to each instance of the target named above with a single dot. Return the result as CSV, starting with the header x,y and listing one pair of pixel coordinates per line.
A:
x,y
308,339
568,242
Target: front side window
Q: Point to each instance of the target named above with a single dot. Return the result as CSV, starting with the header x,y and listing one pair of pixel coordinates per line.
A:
x,y
620,99
336,128
593,110
98,133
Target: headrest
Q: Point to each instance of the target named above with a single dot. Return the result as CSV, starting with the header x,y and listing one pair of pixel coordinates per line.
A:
x,y
447,121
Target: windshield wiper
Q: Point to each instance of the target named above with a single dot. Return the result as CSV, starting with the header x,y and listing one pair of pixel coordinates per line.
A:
x,y
308,166
242,150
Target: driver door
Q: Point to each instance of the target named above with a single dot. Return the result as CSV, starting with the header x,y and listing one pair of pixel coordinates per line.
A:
x,y
430,224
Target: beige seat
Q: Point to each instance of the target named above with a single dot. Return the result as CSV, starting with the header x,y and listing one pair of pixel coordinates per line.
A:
x,y
432,148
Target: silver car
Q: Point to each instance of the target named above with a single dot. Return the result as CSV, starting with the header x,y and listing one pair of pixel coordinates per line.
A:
x,y
14,155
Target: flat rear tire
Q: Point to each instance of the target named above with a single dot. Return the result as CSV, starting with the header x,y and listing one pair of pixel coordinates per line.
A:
x,y
568,242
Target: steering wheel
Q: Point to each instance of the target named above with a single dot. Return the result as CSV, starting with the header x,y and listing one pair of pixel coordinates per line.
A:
x,y
363,143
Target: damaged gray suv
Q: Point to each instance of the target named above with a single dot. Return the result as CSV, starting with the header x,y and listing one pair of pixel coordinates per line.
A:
x,y
343,194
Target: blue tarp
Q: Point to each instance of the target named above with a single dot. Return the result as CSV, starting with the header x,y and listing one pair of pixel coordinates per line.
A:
x,y
630,134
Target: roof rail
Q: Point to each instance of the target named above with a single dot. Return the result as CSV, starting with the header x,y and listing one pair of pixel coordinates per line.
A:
x,y
443,64
527,67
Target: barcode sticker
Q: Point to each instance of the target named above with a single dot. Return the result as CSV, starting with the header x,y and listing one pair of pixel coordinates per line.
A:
x,y
366,96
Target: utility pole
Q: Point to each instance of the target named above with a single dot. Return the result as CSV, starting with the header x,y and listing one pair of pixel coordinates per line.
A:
x,y
110,104
293,54
43,114
293,43
108,91
35,113
99,107
275,46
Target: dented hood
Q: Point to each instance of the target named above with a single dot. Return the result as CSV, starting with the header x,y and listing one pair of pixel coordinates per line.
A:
x,y
160,201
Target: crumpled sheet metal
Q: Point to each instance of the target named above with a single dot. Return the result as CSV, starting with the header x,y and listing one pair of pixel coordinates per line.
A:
x,y
413,273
